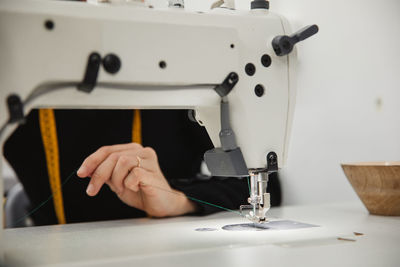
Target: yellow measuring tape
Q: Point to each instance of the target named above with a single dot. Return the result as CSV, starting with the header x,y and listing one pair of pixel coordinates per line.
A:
x,y
137,127
49,136
48,131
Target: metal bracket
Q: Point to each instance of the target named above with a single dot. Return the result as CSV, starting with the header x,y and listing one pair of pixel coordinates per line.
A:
x,y
227,85
226,160
91,73
272,162
15,108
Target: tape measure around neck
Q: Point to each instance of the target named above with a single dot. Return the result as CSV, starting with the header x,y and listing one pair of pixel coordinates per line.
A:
x,y
50,143
137,127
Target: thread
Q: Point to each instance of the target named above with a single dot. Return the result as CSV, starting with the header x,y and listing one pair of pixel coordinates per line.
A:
x,y
44,202
159,188
193,198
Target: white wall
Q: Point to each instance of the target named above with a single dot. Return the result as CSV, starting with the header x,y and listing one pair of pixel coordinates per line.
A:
x,y
348,101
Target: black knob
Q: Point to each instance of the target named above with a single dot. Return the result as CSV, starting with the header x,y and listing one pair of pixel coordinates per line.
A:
x,y
266,60
111,63
259,4
283,44
259,90
250,69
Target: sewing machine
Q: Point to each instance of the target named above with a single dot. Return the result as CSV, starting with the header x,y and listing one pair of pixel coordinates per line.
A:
x,y
233,70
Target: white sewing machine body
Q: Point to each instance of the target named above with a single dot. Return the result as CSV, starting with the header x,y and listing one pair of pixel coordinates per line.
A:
x,y
195,47
170,59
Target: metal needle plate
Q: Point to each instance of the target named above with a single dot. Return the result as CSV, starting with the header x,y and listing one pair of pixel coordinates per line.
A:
x,y
272,225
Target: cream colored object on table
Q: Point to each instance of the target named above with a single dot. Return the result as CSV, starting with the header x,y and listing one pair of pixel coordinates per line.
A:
x,y
174,242
377,184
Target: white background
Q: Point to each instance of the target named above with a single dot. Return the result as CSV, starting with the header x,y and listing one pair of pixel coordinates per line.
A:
x,y
348,92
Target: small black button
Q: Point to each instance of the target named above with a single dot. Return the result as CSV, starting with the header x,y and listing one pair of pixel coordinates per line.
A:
x,y
162,64
250,69
49,25
259,90
266,60
111,63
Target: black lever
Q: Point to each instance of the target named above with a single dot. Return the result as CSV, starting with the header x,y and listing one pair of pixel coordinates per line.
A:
x,y
283,44
91,73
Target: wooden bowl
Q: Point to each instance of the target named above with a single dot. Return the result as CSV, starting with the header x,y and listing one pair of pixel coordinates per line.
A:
x,y
377,184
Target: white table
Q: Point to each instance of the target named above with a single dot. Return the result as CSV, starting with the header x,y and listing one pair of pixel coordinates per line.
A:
x,y
174,242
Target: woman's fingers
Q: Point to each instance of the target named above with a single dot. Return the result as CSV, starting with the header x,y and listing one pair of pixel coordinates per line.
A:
x,y
121,170
128,161
148,159
150,183
139,178
123,161
112,165
132,180
101,174
134,174
91,163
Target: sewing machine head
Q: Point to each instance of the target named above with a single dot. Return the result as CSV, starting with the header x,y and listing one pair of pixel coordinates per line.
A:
x,y
234,69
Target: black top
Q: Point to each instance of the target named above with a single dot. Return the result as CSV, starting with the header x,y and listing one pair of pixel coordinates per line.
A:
x,y
179,143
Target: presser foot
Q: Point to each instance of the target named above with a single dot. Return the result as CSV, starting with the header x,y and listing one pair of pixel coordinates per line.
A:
x,y
254,214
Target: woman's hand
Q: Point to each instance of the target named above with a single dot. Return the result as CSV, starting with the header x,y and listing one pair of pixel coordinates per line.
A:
x,y
133,173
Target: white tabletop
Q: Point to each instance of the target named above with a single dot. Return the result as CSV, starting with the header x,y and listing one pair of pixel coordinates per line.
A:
x,y
174,242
